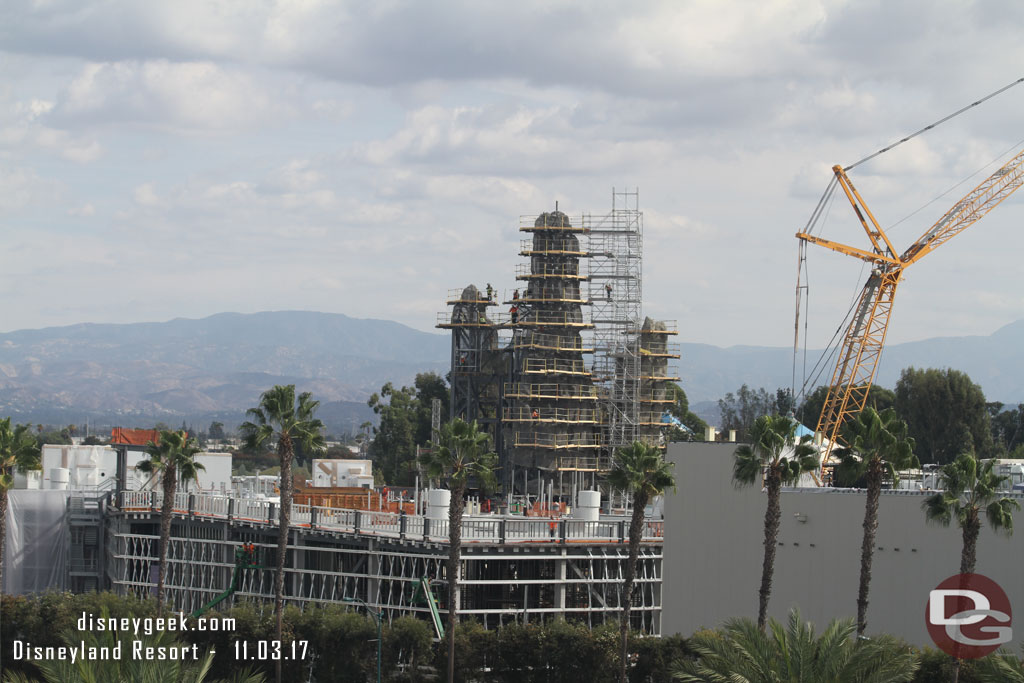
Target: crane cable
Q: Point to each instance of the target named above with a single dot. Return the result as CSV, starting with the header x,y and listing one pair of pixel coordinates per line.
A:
x,y
937,123
814,220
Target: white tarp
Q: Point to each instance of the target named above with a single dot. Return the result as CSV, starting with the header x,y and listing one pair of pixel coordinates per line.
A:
x,y
36,551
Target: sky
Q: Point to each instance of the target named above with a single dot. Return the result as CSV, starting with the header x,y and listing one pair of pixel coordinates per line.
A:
x,y
180,159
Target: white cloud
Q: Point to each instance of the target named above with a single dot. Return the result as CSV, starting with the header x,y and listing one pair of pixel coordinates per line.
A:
x,y
365,157
195,95
23,187
145,195
24,126
509,141
85,210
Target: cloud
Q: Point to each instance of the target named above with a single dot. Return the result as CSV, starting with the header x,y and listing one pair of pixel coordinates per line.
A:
x,y
507,140
22,187
145,195
366,157
25,126
84,211
181,95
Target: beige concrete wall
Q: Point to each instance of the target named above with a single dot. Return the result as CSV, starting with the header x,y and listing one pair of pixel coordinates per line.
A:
x,y
714,548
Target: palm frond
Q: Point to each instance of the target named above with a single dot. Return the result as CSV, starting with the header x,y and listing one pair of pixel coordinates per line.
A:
x,y
938,508
1000,514
741,652
641,468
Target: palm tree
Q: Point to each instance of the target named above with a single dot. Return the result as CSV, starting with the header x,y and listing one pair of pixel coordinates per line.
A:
x,y
172,457
641,470
968,486
18,448
279,415
1001,667
462,451
878,447
742,651
775,456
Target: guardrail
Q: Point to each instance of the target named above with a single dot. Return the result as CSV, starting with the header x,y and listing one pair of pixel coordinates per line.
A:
x,y
483,529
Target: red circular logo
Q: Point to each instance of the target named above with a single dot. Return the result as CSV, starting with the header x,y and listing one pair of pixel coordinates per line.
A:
x,y
968,616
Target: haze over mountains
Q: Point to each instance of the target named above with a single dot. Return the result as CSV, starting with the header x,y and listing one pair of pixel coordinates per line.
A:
x,y
213,368
216,367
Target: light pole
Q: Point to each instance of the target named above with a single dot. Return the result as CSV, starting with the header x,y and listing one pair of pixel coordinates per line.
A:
x,y
377,617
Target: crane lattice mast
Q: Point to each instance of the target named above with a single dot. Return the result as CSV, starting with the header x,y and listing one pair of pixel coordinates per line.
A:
x,y
865,336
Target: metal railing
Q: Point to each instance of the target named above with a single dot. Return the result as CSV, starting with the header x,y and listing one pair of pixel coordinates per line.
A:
x,y
537,440
552,247
558,415
560,366
482,529
579,392
551,342
567,271
528,224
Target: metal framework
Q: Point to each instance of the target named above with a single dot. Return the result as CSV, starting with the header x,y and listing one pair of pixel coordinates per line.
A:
x,y
477,367
615,291
865,335
524,370
515,569
550,416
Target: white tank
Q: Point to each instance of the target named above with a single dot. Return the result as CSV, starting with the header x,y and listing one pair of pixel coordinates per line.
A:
x,y
438,501
588,505
59,477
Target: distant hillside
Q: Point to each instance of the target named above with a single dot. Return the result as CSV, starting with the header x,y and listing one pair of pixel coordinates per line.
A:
x,y
994,362
216,366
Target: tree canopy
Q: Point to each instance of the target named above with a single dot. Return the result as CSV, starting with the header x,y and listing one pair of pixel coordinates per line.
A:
x,y
740,410
680,409
1007,424
404,424
810,409
946,414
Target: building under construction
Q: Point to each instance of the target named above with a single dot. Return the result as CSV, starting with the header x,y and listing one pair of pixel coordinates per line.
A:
x,y
572,370
516,568
561,371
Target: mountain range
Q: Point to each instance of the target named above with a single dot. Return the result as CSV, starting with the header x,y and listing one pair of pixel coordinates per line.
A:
x,y
992,361
215,368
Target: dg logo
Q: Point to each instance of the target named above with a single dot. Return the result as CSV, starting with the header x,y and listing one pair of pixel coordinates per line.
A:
x,y
969,616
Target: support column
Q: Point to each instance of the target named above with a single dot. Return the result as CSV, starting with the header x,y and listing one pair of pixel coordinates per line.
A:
x,y
372,572
561,573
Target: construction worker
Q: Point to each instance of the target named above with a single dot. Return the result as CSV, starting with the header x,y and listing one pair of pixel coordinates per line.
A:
x,y
608,291
535,414
515,295
490,291
514,312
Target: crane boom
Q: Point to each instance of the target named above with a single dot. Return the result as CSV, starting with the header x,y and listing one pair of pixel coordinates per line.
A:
x,y
970,209
865,335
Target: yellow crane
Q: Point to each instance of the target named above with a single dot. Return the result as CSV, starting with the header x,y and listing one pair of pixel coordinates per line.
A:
x,y
865,335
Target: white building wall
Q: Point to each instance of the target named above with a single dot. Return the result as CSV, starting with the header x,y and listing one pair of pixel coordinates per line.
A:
x,y
92,466
714,536
342,472
89,466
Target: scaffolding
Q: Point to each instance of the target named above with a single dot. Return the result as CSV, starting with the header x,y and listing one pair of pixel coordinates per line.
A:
x,y
549,410
615,244
478,367
580,293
